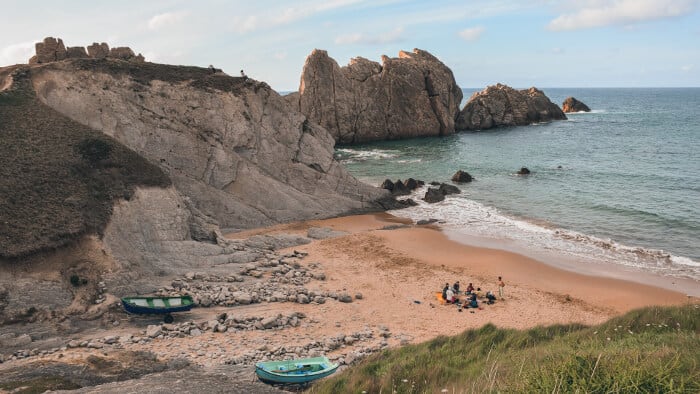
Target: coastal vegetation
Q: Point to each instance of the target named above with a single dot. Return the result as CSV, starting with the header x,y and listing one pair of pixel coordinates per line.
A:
x,y
650,350
59,178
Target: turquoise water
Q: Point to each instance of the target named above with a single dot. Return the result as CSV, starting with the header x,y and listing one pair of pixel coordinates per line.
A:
x,y
619,185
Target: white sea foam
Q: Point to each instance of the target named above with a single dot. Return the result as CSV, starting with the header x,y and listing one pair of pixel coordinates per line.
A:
x,y
361,155
461,215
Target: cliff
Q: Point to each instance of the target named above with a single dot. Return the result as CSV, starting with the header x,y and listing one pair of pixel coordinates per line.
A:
x,y
500,105
124,171
409,96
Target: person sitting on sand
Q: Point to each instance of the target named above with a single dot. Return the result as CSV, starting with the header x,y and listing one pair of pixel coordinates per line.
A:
x,y
444,291
478,293
470,288
455,287
490,297
473,303
450,296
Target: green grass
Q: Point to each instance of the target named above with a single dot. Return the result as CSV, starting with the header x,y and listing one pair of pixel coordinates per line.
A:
x,y
51,193
651,350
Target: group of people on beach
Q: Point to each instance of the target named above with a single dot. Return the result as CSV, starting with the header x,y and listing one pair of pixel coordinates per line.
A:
x,y
450,294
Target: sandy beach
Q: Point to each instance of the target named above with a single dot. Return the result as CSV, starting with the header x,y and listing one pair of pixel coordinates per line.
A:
x,y
398,271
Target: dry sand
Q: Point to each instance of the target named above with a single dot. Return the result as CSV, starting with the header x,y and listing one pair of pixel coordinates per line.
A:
x,y
398,271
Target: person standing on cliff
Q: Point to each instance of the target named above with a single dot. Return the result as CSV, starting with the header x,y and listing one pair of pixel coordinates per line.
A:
x,y
501,285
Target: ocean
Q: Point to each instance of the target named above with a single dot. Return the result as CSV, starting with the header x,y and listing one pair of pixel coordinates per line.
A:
x,y
616,187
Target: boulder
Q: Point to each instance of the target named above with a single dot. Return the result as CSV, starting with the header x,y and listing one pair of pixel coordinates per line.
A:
x,y
461,176
50,50
573,105
523,171
345,297
500,105
433,195
388,185
413,184
446,189
409,96
98,51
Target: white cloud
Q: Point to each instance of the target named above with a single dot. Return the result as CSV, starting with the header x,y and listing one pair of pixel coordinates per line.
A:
x,y
246,24
17,53
472,33
163,20
619,12
392,36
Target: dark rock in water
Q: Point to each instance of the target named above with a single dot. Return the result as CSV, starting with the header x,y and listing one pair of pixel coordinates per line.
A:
x,y
559,167
400,188
573,105
426,221
461,176
523,171
411,184
446,189
433,195
388,185
501,105
408,202
433,183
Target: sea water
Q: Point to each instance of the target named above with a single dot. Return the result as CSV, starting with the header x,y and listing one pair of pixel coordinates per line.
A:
x,y
618,186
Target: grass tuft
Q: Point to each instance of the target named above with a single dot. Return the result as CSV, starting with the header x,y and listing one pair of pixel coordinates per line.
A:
x,y
650,350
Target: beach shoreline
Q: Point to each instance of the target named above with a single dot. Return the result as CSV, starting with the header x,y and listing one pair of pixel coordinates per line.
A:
x,y
398,267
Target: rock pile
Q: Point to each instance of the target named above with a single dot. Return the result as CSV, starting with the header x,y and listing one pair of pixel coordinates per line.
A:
x,y
400,188
53,50
500,105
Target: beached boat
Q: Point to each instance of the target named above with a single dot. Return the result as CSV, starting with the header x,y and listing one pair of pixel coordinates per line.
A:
x,y
300,371
158,305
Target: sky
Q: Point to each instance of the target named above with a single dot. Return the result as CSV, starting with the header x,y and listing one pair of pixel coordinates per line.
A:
x,y
569,43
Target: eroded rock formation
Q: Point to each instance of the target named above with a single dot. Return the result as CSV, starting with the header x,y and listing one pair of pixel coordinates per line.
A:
x,y
409,96
573,105
500,105
52,50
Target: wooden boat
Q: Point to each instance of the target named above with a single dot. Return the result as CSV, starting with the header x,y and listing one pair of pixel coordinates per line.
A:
x,y
300,371
158,305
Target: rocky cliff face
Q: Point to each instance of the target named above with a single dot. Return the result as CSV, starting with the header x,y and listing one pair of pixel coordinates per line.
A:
x,y
573,105
233,145
409,96
500,105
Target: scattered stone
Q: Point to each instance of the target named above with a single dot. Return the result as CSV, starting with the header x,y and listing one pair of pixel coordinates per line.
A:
x,y
345,297
358,296
153,331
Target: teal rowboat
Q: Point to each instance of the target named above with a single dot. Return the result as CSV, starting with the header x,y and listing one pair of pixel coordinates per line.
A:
x,y
158,305
300,371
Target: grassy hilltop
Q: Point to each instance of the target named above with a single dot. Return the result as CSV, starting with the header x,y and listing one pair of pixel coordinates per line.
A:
x,y
58,178
651,350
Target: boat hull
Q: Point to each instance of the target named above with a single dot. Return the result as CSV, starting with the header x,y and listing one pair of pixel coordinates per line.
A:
x,y
130,306
270,372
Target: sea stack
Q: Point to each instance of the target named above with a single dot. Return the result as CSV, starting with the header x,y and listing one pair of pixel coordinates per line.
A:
x,y
572,105
500,105
413,95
